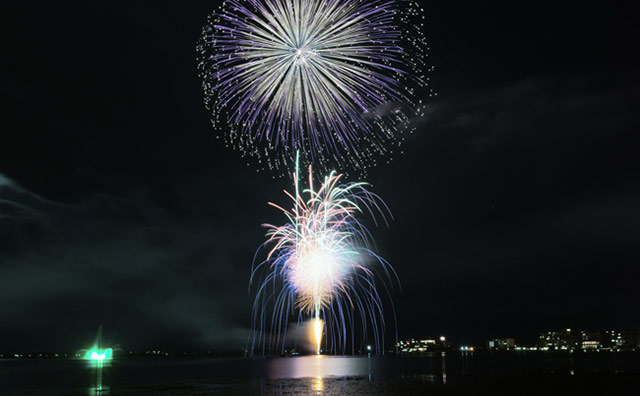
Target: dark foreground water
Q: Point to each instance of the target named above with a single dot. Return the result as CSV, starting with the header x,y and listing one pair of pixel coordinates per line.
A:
x,y
452,373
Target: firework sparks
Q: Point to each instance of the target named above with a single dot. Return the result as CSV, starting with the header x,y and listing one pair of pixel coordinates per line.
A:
x,y
319,267
335,79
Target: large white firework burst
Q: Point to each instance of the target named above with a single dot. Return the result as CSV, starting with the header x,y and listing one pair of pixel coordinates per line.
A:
x,y
335,79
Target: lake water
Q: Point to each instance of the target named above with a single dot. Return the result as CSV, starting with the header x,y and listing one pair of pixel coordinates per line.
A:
x,y
451,373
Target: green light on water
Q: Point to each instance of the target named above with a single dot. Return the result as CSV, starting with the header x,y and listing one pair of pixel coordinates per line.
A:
x,y
98,355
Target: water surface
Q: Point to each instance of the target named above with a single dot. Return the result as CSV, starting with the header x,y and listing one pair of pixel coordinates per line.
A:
x,y
451,373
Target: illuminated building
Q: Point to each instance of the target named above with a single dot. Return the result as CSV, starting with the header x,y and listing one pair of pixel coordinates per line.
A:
x,y
600,340
413,345
501,344
623,340
591,340
629,340
563,340
423,345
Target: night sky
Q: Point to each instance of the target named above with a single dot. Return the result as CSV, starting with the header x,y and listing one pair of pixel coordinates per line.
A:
x,y
515,203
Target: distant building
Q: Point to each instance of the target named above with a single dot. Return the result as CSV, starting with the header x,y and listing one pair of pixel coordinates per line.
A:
x,y
591,340
423,345
630,340
413,345
624,340
563,340
600,340
501,344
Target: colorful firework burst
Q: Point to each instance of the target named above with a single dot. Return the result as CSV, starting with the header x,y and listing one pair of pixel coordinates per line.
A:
x,y
320,266
335,79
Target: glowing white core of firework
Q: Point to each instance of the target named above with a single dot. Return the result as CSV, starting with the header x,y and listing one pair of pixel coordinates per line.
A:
x,y
302,55
319,267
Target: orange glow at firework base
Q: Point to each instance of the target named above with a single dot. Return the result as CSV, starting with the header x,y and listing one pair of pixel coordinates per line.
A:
x,y
316,328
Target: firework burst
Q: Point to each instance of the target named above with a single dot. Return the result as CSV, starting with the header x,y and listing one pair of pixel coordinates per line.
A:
x,y
320,266
335,79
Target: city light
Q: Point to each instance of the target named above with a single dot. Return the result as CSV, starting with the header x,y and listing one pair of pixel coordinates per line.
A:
x,y
467,348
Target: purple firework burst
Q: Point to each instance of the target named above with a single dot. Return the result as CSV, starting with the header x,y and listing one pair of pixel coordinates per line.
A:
x,y
335,79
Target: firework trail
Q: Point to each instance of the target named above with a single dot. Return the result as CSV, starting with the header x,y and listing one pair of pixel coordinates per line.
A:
x,y
335,79
320,266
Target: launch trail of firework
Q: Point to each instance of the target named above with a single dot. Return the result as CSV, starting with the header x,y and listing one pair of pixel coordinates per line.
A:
x,y
320,266
334,79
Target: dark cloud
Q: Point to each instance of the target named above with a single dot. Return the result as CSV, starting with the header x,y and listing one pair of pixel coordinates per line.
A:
x,y
536,112
118,262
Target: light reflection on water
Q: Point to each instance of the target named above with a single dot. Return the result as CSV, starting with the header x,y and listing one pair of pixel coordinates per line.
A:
x,y
98,391
319,366
98,388
318,385
336,375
